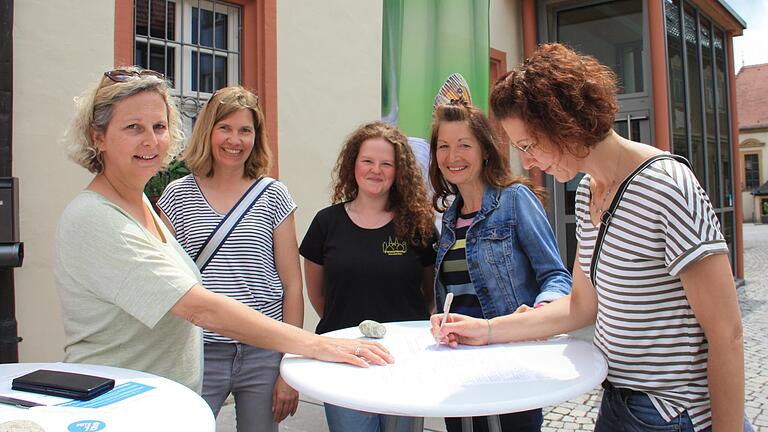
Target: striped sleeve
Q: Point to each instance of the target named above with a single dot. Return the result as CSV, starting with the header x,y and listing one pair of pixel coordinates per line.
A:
x,y
169,202
692,227
281,203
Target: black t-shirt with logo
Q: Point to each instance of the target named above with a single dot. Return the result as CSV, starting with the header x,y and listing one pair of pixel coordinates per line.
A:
x,y
367,273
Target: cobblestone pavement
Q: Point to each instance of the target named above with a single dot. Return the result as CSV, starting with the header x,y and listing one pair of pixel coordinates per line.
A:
x,y
578,415
754,308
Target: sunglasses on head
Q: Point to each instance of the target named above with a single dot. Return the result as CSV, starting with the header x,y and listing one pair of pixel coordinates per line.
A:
x,y
237,97
124,75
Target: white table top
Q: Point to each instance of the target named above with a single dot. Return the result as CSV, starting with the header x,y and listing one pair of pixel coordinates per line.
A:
x,y
437,381
167,405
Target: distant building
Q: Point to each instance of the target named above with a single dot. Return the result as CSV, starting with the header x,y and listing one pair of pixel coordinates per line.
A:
x,y
752,106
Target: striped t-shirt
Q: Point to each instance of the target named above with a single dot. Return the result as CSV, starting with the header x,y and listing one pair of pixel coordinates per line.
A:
x,y
454,272
244,267
645,326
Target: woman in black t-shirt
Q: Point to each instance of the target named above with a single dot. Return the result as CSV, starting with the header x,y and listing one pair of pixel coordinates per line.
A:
x,y
370,255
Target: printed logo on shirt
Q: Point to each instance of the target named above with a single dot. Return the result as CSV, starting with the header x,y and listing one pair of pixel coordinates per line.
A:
x,y
394,247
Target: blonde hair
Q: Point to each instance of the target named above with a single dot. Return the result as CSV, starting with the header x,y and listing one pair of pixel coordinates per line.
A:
x,y
95,107
198,156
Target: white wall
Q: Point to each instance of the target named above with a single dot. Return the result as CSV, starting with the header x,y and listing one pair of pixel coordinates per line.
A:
x,y
506,34
507,30
59,48
329,82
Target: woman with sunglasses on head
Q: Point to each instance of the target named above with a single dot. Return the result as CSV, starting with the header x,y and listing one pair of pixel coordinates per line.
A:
x,y
497,252
652,269
257,263
130,295
369,255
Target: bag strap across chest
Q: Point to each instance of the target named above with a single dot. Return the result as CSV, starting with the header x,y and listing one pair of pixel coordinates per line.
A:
x,y
607,216
222,231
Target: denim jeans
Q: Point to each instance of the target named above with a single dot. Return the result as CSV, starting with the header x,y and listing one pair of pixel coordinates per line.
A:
x,y
624,410
247,372
342,419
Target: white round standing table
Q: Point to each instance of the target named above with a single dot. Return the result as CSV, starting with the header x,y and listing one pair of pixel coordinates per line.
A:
x,y
144,402
428,380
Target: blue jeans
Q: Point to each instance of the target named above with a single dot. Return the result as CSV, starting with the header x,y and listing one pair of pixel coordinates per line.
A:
x,y
624,410
342,419
247,372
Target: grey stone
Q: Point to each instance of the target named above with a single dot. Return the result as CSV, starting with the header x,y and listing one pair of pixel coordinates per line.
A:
x,y
372,329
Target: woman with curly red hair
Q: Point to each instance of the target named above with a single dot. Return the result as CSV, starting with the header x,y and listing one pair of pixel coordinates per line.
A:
x,y
369,255
652,270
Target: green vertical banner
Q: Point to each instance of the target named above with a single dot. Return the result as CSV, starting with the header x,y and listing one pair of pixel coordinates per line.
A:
x,y
425,41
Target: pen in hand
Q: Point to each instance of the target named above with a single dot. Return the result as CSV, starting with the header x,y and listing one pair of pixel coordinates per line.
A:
x,y
446,308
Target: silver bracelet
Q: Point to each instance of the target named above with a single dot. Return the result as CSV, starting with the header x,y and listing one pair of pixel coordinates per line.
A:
x,y
487,321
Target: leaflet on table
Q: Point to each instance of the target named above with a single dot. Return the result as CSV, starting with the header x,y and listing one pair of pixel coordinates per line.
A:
x,y
420,360
57,418
123,391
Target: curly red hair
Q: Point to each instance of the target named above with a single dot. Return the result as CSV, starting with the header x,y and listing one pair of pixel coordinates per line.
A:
x,y
408,199
558,93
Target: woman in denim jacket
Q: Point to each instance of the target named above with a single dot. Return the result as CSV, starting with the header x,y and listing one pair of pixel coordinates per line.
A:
x,y
497,252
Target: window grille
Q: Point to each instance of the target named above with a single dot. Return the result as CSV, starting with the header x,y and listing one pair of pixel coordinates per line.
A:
x,y
195,43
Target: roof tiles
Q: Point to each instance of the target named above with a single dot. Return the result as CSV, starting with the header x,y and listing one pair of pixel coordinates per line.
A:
x,y
752,96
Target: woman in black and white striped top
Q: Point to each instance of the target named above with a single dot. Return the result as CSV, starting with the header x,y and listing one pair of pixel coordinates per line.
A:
x,y
658,287
257,264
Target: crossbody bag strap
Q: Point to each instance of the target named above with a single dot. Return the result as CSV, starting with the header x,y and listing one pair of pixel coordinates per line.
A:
x,y
607,216
219,235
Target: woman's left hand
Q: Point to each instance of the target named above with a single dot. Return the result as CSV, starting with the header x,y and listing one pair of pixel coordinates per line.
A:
x,y
285,400
357,352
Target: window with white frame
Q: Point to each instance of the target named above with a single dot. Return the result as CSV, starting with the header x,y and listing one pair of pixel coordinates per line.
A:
x,y
195,43
751,171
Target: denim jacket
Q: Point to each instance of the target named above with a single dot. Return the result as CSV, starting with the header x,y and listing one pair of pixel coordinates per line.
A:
x,y
512,256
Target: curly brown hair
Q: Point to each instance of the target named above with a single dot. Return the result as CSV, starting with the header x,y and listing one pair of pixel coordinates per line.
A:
x,y
496,170
560,94
408,199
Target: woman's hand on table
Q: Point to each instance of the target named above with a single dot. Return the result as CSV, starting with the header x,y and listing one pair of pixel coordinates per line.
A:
x,y
357,352
460,329
285,400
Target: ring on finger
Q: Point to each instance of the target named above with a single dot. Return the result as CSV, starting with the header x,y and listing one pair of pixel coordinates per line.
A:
x,y
357,351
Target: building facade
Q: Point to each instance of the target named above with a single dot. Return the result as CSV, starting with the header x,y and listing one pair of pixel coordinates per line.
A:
x,y
752,94
673,59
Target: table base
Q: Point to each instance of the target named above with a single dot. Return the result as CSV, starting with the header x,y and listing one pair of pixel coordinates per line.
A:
x,y
494,424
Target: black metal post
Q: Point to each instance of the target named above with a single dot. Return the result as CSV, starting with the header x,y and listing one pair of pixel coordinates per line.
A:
x,y
9,340
6,85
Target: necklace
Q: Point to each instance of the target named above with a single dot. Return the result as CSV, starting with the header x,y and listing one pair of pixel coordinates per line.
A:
x,y
601,207
605,197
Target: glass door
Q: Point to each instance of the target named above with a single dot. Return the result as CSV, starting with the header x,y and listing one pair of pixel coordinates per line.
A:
x,y
614,32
